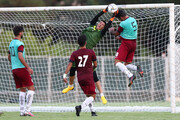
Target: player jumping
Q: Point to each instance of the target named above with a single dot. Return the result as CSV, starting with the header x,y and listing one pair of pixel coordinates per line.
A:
x,y
127,32
21,72
93,34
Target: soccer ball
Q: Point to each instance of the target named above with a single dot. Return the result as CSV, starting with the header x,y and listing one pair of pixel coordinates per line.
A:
x,y
112,8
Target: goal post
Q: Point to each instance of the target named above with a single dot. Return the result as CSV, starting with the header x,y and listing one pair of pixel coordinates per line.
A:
x,y
50,35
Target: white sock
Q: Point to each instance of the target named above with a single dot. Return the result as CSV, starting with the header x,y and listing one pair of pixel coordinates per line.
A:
x,y
101,94
131,67
124,69
22,101
87,102
29,99
70,85
91,107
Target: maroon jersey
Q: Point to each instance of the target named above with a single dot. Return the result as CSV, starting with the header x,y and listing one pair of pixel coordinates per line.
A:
x,y
83,59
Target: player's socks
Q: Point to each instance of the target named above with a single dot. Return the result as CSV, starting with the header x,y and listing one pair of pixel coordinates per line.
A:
x,y
29,99
87,102
137,68
124,69
70,87
22,101
91,107
131,67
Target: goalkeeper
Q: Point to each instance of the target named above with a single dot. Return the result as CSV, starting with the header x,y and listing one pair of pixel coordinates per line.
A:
x,y
93,34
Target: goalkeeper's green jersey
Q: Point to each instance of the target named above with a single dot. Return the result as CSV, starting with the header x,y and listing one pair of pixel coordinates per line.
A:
x,y
93,36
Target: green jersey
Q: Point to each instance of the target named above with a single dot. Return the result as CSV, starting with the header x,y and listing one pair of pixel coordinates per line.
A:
x,y
93,36
13,49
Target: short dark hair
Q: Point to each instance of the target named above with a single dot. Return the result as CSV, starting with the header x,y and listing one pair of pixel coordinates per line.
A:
x,y
121,13
81,40
104,21
17,30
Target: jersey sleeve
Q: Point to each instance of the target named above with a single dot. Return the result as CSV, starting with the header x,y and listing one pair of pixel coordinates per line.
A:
x,y
21,48
93,56
72,58
95,19
107,26
120,29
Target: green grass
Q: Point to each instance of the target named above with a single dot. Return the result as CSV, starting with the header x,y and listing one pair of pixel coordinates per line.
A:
x,y
87,116
99,104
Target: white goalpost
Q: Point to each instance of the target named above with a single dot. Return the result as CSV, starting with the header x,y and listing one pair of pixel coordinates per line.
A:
x,y
50,37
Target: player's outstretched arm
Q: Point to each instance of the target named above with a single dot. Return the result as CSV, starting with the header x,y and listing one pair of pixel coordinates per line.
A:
x,y
109,24
113,31
20,56
66,72
95,19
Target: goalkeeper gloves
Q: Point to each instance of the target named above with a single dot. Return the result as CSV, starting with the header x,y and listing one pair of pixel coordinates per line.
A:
x,y
105,10
116,13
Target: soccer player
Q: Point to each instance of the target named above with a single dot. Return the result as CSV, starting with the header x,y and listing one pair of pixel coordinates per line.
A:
x,y
127,33
21,71
93,34
83,59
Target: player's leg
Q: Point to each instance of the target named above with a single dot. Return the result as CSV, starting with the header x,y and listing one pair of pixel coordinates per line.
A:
x,y
88,102
123,68
29,100
98,85
135,68
22,96
26,82
71,80
120,57
129,60
89,90
17,78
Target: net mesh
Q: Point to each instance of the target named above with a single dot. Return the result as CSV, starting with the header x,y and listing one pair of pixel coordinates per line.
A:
x,y
51,36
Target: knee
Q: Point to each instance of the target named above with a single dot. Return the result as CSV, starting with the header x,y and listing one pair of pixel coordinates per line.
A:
x,y
23,89
31,88
94,96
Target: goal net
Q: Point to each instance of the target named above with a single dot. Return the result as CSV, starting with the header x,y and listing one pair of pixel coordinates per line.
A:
x,y
50,36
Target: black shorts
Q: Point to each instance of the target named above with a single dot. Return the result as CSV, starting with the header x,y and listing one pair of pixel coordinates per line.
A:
x,y
73,70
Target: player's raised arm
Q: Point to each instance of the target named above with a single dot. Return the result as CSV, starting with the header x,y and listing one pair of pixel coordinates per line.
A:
x,y
95,19
109,24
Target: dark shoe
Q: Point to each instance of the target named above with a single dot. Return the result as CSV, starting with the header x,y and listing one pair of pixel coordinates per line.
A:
x,y
131,79
140,70
78,110
93,114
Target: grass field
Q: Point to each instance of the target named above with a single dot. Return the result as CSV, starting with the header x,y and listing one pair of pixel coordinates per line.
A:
x,y
87,116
